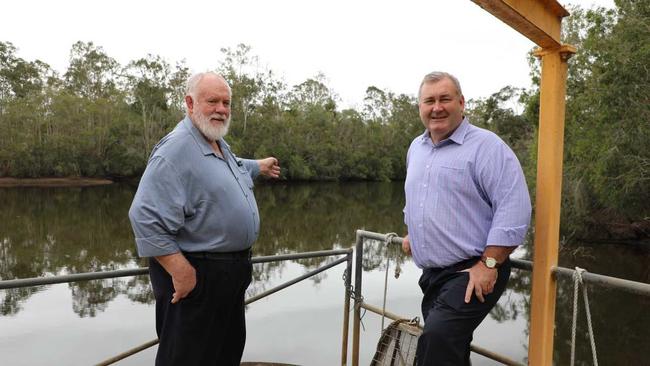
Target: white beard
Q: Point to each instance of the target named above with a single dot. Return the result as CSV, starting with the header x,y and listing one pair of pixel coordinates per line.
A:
x,y
210,131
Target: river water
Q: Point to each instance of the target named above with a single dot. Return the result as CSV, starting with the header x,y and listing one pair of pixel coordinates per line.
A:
x,y
51,231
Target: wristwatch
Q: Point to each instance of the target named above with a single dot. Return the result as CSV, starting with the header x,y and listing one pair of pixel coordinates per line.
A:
x,y
490,262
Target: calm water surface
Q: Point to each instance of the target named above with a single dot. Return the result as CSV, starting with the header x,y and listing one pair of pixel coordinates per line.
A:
x,y
45,232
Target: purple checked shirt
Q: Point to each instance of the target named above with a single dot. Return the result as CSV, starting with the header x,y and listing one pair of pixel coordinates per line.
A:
x,y
463,193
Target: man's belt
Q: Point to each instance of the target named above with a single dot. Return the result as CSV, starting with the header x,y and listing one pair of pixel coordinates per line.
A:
x,y
242,254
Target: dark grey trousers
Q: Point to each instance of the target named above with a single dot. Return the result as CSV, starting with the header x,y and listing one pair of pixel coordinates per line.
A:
x,y
449,322
208,326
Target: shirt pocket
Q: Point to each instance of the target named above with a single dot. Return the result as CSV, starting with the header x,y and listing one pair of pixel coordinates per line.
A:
x,y
245,176
452,174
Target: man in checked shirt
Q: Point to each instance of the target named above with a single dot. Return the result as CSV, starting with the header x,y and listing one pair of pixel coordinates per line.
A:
x,y
467,208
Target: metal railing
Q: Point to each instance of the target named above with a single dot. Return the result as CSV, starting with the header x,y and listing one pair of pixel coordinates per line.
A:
x,y
39,281
607,281
354,293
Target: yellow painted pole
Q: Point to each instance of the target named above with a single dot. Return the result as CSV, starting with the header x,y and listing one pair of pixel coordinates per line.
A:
x,y
547,202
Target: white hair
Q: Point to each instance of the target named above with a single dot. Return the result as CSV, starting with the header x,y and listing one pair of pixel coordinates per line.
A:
x,y
193,81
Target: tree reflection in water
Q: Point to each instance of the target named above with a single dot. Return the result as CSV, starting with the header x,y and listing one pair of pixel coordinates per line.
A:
x,y
50,231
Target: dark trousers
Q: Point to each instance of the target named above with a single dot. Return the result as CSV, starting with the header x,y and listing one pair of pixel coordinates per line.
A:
x,y
208,326
449,322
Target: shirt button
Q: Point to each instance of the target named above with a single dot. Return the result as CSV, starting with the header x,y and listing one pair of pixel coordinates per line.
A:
x,y
427,166
419,225
421,204
424,185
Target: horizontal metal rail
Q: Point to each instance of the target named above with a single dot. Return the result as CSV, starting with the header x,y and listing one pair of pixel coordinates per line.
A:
x,y
324,253
638,288
38,281
522,264
128,353
476,349
284,257
295,280
634,287
51,280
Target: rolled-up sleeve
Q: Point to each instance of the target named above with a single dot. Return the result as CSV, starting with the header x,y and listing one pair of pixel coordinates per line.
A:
x,y
252,166
157,211
505,185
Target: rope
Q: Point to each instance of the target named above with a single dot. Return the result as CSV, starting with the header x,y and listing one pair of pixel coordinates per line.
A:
x,y
350,289
357,300
575,316
577,282
388,239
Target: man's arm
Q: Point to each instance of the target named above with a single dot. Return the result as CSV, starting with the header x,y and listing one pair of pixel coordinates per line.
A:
x,y
502,179
156,215
182,272
481,278
268,167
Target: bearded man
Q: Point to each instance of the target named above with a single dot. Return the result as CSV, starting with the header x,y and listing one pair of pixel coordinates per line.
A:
x,y
195,217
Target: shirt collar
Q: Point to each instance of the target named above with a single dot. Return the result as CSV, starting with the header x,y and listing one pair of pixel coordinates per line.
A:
x,y
200,140
458,136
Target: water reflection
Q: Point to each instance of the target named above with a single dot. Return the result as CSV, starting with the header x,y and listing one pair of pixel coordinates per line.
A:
x,y
620,321
66,230
49,231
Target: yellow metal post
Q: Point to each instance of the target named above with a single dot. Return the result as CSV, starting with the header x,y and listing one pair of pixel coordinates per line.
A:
x,y
547,203
540,21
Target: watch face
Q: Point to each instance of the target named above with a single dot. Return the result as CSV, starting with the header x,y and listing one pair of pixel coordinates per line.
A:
x,y
490,262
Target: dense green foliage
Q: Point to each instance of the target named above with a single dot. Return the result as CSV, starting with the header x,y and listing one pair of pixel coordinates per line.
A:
x,y
98,119
607,163
606,188
101,119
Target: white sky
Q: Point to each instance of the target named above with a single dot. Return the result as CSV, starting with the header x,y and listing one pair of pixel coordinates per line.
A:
x,y
355,43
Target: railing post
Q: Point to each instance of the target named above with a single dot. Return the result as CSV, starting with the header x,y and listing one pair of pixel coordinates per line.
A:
x,y
346,308
357,299
547,202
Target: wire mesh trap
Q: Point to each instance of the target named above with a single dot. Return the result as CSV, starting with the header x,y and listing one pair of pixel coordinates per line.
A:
x,y
397,344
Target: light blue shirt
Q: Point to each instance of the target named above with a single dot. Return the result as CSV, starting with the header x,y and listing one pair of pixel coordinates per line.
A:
x,y
189,199
462,194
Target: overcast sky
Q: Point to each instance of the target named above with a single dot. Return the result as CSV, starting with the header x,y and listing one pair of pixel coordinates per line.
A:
x,y
355,43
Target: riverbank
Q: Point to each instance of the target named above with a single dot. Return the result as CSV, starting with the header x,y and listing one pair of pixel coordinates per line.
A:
x,y
53,182
610,226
